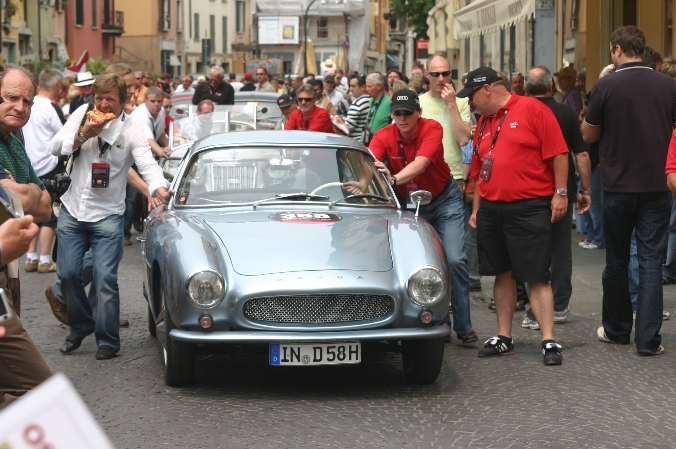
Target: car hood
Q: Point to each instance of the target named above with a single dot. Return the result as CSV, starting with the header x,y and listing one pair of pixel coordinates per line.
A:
x,y
264,242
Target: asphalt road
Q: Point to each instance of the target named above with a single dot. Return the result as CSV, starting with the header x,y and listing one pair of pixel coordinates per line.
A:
x,y
603,396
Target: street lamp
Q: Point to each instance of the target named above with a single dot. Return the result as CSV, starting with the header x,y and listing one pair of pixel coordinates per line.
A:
x,y
307,10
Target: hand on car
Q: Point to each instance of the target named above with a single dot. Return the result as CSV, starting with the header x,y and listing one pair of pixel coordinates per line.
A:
x,y
167,151
353,187
153,203
164,195
384,170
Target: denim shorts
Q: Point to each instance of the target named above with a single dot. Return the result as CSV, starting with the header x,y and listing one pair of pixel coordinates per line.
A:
x,y
515,236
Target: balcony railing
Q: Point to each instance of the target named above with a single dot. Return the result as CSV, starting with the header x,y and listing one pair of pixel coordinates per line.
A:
x,y
115,28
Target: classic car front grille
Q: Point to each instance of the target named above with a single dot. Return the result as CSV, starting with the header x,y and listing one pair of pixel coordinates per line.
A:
x,y
233,176
318,308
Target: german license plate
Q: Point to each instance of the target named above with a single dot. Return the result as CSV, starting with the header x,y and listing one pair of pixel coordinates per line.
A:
x,y
315,353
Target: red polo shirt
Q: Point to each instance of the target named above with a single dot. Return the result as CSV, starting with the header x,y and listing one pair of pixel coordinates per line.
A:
x,y
427,142
319,120
522,158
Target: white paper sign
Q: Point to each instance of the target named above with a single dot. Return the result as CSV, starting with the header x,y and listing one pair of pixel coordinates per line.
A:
x,y
51,416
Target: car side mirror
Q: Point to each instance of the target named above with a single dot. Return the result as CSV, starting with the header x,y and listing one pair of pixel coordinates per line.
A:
x,y
421,198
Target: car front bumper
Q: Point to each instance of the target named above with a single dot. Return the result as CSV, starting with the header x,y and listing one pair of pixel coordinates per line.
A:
x,y
276,336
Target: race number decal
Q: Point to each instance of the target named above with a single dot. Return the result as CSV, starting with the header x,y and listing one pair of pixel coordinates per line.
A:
x,y
304,217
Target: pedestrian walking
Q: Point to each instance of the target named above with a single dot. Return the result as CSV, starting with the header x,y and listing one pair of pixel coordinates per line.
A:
x,y
634,128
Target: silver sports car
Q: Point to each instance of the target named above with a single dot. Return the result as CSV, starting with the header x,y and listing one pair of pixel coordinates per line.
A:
x,y
294,241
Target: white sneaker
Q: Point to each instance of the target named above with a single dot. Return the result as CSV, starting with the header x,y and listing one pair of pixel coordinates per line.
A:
x,y
590,245
666,315
582,243
560,317
527,323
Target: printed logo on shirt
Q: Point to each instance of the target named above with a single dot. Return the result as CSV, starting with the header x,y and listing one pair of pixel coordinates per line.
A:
x,y
513,124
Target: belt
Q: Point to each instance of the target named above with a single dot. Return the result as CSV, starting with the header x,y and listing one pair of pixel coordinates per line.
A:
x,y
446,187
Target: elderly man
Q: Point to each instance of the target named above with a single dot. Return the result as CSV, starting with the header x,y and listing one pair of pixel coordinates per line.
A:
x,y
91,215
150,117
521,173
185,86
566,81
287,106
359,109
309,117
518,84
216,90
263,79
379,108
42,126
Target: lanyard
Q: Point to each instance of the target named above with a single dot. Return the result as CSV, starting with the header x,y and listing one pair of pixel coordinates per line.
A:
x,y
403,153
103,147
495,136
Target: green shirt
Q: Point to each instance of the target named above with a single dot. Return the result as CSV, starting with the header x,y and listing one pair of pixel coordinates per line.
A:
x,y
436,109
13,157
380,117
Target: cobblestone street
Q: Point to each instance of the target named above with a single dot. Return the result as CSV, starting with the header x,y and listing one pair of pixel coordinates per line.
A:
x,y
604,396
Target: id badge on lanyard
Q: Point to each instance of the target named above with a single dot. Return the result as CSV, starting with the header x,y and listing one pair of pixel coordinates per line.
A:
x,y
411,186
101,170
487,165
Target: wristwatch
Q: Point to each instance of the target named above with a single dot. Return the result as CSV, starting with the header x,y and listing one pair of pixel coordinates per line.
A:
x,y
562,192
585,193
81,137
394,181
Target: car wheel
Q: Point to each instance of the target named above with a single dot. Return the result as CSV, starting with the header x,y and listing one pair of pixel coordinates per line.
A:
x,y
152,327
422,359
179,356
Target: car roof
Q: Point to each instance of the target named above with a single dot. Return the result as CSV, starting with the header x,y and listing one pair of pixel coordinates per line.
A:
x,y
257,96
277,138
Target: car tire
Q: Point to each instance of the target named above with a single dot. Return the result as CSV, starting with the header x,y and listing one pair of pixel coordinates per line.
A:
x,y
179,356
422,359
152,327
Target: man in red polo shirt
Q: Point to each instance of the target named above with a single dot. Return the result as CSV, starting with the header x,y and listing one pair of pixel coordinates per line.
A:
x,y
414,149
521,163
308,117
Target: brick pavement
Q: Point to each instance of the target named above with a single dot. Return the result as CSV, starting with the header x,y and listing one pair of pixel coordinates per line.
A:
x,y
604,396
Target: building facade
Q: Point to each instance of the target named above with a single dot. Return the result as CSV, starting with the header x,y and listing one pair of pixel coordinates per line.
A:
x,y
47,23
215,24
91,25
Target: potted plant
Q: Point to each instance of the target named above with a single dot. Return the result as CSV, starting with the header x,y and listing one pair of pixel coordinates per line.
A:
x,y
11,9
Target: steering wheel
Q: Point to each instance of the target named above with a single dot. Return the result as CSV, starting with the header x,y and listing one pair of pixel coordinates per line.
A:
x,y
326,186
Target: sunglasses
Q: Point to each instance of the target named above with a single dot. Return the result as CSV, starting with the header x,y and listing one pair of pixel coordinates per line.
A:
x,y
471,94
436,74
304,100
516,74
401,112
166,107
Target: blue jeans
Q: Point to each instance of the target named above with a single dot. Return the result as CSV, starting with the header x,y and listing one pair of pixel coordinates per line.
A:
x,y
648,214
594,217
87,277
129,209
446,214
471,248
669,267
633,271
104,237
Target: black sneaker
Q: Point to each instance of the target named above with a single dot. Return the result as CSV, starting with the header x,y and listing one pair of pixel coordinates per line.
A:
x,y
497,346
469,337
491,306
521,305
475,288
551,354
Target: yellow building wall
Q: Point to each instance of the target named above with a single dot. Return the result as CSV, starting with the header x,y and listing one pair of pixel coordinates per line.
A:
x,y
138,17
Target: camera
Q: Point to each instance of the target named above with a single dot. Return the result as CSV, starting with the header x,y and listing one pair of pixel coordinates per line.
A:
x,y
57,186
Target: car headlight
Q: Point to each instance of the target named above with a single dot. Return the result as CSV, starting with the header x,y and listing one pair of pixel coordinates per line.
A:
x,y
205,288
426,286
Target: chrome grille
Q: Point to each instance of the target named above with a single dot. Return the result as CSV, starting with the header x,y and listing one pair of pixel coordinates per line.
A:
x,y
318,308
233,176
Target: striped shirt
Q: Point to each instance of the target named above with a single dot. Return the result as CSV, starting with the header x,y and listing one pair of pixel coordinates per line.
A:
x,y
357,115
131,146
13,158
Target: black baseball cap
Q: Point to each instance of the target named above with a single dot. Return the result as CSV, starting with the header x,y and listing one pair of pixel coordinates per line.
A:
x,y
478,77
284,101
405,99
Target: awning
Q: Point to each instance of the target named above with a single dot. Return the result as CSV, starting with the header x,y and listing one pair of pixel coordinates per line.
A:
x,y
173,61
394,59
486,16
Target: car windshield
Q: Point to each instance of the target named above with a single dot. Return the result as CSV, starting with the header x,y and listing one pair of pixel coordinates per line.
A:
x,y
232,118
244,175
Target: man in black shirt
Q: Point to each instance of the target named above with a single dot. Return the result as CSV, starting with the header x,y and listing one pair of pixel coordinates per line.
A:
x,y
216,90
632,115
249,85
539,84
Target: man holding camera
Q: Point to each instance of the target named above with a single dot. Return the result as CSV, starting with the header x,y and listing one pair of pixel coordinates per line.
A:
x,y
92,212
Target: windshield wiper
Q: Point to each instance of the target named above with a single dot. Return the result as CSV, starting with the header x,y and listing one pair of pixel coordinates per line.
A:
x,y
361,195
291,196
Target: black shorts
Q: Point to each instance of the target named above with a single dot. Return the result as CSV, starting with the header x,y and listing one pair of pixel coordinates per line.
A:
x,y
515,236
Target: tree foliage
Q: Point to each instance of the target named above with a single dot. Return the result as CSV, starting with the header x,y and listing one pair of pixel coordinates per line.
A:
x,y
98,65
415,12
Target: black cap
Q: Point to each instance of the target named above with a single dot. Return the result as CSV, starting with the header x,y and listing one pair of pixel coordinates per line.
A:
x,y
284,101
478,77
330,79
405,99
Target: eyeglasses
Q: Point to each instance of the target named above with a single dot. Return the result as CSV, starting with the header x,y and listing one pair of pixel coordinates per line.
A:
x,y
612,50
260,74
401,112
138,78
436,74
471,94
167,107
304,100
